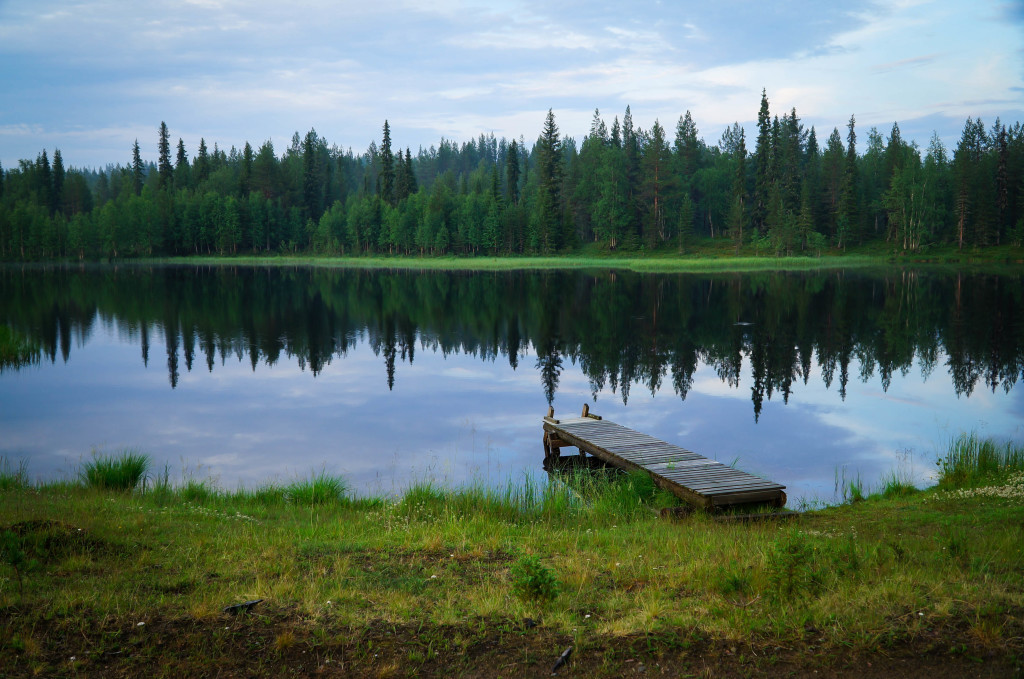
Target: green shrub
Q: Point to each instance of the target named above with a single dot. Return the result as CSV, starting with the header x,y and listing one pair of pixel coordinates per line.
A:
x,y
532,580
792,567
122,472
731,581
13,554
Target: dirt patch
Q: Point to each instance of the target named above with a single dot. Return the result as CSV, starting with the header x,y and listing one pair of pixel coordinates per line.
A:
x,y
47,540
281,642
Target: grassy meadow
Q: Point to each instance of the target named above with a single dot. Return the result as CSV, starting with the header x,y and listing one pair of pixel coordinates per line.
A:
x,y
707,256
122,572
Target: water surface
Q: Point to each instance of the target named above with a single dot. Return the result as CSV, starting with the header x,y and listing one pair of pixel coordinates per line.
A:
x,y
252,374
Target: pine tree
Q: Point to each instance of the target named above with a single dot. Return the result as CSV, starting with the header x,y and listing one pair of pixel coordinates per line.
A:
x,y
685,227
387,183
166,172
657,184
2,181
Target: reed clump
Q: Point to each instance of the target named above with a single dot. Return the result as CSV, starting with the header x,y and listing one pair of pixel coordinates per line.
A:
x,y
971,460
123,471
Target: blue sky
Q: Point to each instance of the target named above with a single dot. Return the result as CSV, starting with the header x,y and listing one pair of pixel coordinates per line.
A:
x,y
91,76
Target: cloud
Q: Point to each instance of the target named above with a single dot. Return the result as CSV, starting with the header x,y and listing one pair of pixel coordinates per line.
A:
x,y
234,71
912,61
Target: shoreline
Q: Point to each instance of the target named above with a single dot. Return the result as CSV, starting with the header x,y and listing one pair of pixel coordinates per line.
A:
x,y
471,582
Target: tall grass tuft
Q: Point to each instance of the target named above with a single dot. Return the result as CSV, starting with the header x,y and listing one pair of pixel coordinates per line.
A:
x,y
318,489
849,490
115,472
897,485
13,478
971,460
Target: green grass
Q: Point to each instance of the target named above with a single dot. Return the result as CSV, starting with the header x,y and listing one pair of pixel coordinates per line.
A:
x,y
971,460
707,256
319,489
896,485
123,472
446,572
13,477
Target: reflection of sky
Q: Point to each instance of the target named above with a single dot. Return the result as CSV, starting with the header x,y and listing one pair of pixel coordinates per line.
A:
x,y
458,418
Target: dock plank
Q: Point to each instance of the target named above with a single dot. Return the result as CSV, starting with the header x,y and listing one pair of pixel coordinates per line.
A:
x,y
696,479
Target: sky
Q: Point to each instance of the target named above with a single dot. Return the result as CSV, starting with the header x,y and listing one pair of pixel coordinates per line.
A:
x,y
91,76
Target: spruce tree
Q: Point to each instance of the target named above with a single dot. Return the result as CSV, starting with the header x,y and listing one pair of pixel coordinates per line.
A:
x,y
549,199
1001,148
762,166
202,164
44,179
166,172
512,173
410,175
311,188
181,167
387,176
137,169
57,199
812,174
1,181
245,176
687,147
737,211
847,220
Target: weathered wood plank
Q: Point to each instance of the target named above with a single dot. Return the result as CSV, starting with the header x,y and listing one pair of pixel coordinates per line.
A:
x,y
696,479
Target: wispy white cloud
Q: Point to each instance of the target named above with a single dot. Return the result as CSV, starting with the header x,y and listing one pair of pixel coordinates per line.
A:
x,y
234,71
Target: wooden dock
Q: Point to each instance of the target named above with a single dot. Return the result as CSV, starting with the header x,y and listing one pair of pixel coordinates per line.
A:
x,y
703,483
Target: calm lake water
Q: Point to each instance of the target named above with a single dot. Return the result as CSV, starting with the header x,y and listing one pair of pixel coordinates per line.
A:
x,y
256,374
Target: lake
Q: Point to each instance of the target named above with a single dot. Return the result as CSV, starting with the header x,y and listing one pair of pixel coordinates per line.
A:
x,y
250,374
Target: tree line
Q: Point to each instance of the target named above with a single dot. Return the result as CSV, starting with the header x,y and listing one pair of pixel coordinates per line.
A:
x,y
623,188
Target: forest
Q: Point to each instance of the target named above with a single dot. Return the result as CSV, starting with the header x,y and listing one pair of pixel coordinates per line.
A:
x,y
623,188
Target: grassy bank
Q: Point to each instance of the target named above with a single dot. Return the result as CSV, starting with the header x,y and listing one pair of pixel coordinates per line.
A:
x,y
484,582
710,256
